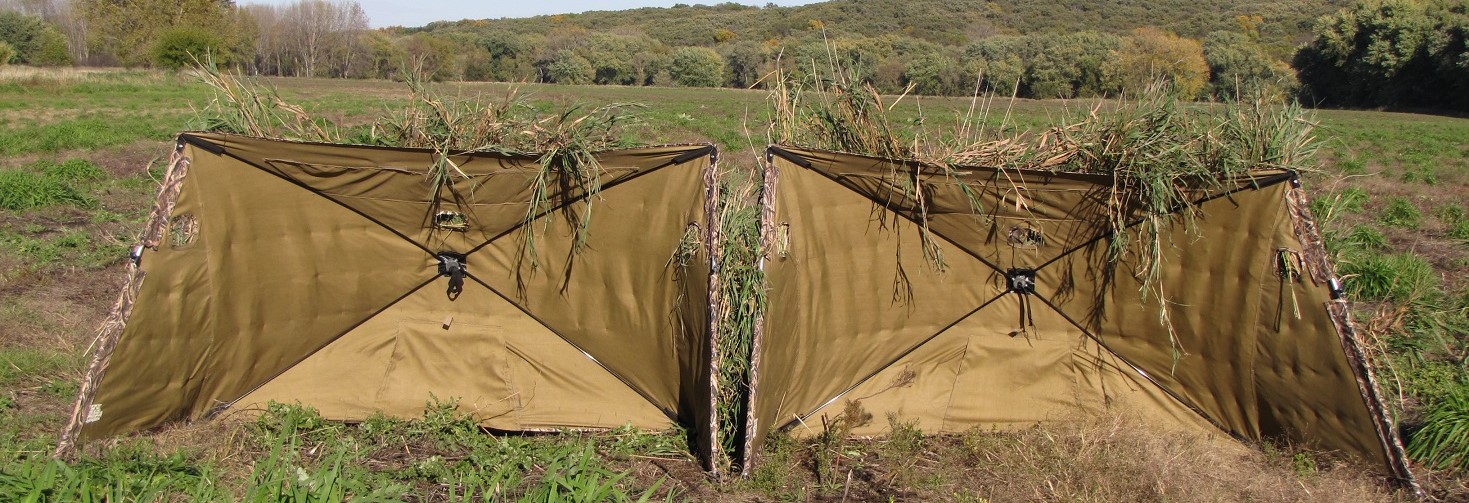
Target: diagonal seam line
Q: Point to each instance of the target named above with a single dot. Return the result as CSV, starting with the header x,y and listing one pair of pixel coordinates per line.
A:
x,y
900,357
1137,221
889,207
220,408
671,415
1135,368
675,161
323,195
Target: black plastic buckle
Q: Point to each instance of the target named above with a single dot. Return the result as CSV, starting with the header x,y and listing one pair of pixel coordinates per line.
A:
x,y
453,265
1021,281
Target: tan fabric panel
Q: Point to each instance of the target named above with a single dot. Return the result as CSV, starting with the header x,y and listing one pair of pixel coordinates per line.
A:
x,y
392,185
1212,290
621,300
1241,361
1260,382
836,310
1304,384
142,390
268,280
281,272
503,367
1110,384
983,373
1064,207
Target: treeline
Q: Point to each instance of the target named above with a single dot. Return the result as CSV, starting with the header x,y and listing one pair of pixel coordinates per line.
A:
x,y
1081,64
1377,53
1396,53
306,38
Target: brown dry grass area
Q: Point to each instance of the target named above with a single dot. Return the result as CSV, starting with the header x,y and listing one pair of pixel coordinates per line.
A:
x,y
44,116
1112,458
1115,457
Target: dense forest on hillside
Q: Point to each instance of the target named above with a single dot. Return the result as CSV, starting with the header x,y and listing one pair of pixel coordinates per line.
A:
x,y
1281,26
1397,53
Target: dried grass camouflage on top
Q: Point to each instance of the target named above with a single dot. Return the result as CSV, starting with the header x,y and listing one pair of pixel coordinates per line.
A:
x,y
565,143
1161,153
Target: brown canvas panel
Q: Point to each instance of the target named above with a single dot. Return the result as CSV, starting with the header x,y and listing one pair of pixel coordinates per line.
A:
x,y
1296,374
390,185
267,279
982,372
979,375
1109,384
501,366
623,284
1099,338
306,249
1063,207
839,278
1198,270
1300,368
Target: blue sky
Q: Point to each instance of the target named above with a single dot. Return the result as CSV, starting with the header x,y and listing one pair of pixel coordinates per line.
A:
x,y
418,13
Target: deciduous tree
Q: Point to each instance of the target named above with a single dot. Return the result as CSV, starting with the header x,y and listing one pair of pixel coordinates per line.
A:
x,y
1151,55
696,67
1389,53
33,40
127,30
1240,69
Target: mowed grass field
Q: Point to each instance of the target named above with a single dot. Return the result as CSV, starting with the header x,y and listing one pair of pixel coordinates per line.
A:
x,y
81,153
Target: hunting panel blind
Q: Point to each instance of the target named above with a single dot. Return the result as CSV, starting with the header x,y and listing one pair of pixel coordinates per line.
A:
x,y
360,280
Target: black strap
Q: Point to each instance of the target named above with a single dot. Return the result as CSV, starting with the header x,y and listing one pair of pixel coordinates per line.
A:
x,y
456,283
452,265
1022,283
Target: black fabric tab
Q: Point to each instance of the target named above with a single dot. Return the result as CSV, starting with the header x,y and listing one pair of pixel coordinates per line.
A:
x,y
694,154
208,146
787,155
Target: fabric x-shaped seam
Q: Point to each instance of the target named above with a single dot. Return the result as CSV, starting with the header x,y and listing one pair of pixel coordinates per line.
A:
x,y
456,274
1012,286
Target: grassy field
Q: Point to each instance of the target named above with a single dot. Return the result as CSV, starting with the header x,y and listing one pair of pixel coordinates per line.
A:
x,y
80,155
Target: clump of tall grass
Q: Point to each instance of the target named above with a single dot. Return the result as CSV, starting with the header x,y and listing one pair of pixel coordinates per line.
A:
x,y
1443,441
126,473
252,108
47,183
1329,207
1366,237
1399,278
833,113
1455,221
742,288
430,120
1400,212
442,456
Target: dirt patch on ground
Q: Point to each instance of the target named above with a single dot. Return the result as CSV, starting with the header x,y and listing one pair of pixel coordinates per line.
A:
x,y
58,310
133,159
1449,256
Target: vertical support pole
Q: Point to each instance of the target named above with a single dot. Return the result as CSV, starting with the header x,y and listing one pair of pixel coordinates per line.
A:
x,y
1318,263
715,459
767,239
112,327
